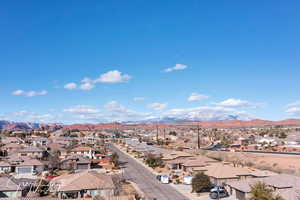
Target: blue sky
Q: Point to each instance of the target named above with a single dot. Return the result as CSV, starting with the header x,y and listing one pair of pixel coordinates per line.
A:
x,y
230,57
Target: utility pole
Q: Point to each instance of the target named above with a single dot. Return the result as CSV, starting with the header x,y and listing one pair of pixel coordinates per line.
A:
x,y
198,131
157,133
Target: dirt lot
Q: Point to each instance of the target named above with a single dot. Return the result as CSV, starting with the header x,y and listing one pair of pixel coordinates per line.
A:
x,y
278,163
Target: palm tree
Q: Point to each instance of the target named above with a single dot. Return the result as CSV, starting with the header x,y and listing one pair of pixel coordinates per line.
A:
x,y
260,191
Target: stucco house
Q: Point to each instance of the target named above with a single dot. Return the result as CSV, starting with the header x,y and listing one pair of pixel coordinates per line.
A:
x,y
9,189
83,184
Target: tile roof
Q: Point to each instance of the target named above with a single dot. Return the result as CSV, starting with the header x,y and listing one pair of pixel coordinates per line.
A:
x,y
81,181
225,171
31,162
31,149
7,184
283,181
195,162
175,154
82,149
288,194
4,164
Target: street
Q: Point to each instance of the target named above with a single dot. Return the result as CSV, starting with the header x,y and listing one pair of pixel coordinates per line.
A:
x,y
145,180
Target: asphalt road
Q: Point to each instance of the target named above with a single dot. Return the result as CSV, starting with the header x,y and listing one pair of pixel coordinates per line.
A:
x,y
145,180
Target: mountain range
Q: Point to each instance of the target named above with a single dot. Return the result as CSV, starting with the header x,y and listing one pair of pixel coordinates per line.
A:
x,y
164,122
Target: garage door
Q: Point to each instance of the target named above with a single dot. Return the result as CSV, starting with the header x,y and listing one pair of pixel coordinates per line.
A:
x,y
24,170
82,166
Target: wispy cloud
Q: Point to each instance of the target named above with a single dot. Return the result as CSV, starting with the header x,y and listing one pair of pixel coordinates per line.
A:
x,y
294,111
158,106
29,93
26,116
139,98
87,84
206,113
70,86
294,108
113,111
82,109
197,97
296,103
175,68
231,102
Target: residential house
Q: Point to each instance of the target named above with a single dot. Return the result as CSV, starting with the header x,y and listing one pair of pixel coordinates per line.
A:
x,y
283,184
12,140
39,141
191,163
79,185
5,167
9,189
175,159
11,148
221,173
29,166
75,162
84,151
31,151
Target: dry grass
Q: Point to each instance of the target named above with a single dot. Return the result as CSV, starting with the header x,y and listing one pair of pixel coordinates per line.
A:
x,y
277,163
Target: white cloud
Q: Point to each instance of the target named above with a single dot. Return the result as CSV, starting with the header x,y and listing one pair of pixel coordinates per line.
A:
x,y
26,116
175,68
118,112
113,76
70,86
297,103
114,106
206,113
139,98
293,111
29,93
87,86
82,109
114,111
197,97
236,103
158,106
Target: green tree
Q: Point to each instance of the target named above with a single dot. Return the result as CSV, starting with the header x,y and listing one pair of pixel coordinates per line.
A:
x,y
153,161
42,187
200,182
282,135
173,133
260,191
115,160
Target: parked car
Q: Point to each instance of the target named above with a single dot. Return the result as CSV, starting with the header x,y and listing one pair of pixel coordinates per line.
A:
x,y
218,192
163,179
158,177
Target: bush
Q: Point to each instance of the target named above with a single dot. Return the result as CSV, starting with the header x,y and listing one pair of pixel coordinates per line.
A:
x,y
115,159
261,191
154,162
200,182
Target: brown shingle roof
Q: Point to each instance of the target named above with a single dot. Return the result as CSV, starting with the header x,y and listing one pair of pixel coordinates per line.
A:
x,y
6,184
81,181
225,171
